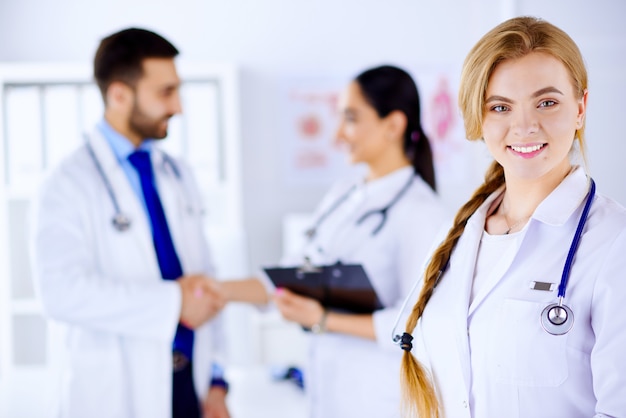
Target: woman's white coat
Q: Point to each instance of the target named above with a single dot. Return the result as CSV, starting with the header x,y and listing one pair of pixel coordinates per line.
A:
x,y
350,376
491,357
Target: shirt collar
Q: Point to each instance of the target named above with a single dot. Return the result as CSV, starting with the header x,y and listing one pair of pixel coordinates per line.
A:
x,y
121,146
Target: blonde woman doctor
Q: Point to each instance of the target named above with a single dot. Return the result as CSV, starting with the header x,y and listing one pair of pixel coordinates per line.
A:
x,y
523,308
386,221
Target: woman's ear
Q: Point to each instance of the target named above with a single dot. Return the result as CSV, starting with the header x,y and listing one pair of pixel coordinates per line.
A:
x,y
396,125
582,108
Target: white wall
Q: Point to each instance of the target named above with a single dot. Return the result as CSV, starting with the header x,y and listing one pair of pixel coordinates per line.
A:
x,y
272,39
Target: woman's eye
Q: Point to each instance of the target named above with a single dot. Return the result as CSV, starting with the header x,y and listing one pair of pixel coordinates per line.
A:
x,y
547,103
499,108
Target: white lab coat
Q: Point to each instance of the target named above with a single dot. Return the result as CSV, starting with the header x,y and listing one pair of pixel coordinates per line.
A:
x,y
491,358
354,377
113,317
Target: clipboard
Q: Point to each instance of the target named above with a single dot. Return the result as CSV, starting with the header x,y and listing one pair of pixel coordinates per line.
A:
x,y
344,287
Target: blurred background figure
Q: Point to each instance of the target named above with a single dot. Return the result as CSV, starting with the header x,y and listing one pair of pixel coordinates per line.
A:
x,y
384,220
121,263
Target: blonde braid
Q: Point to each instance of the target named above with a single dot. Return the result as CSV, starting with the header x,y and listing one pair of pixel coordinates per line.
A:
x,y
418,393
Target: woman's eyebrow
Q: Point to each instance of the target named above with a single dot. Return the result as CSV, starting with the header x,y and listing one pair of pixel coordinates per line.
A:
x,y
547,90
498,99
536,94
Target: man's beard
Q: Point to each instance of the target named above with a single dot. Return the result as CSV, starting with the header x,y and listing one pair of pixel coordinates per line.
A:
x,y
147,127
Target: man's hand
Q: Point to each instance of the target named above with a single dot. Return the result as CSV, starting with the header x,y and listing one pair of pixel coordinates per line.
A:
x,y
214,406
202,300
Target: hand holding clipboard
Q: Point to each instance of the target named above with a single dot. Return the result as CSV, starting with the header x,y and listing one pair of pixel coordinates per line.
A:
x,y
338,286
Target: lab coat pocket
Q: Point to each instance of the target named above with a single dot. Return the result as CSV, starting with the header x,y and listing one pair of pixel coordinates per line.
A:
x,y
523,353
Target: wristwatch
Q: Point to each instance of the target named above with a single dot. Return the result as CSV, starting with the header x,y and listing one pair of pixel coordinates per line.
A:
x,y
320,327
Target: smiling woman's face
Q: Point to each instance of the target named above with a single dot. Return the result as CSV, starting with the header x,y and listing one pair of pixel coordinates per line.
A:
x,y
531,115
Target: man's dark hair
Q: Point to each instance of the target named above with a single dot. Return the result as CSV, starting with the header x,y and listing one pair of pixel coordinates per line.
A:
x,y
120,56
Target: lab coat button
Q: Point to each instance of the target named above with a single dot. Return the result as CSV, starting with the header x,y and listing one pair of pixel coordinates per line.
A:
x,y
464,404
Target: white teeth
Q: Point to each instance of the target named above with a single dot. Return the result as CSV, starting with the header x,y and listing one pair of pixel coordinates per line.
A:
x,y
526,150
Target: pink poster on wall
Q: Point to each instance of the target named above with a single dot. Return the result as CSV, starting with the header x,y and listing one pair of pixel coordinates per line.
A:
x,y
311,156
444,126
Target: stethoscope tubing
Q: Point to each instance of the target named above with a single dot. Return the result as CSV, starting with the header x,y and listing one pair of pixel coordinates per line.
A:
x,y
120,221
383,211
311,232
576,241
103,176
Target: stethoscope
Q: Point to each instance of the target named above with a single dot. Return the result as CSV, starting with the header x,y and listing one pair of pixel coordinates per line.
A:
x,y
556,318
312,232
120,220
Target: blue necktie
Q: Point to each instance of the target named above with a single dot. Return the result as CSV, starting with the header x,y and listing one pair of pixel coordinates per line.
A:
x,y
169,264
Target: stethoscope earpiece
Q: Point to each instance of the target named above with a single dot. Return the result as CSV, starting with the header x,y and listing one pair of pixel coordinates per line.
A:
x,y
557,319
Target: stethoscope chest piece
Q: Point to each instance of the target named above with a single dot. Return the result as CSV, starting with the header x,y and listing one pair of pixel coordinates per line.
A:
x,y
557,319
121,222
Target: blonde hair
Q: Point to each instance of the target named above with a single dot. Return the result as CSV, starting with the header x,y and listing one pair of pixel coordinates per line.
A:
x,y
511,39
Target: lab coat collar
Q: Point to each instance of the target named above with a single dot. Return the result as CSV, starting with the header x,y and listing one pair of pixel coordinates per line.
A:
x,y
113,149
555,209
477,221
122,146
104,152
559,205
389,182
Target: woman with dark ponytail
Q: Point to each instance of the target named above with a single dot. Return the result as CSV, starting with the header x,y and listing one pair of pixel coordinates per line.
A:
x,y
353,367
495,332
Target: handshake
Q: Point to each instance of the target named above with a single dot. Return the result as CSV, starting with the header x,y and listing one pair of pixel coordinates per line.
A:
x,y
202,299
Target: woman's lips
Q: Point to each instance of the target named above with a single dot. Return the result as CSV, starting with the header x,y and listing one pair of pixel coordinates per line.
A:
x,y
527,151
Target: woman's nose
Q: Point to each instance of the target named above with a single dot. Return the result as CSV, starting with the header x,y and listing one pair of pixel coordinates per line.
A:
x,y
525,123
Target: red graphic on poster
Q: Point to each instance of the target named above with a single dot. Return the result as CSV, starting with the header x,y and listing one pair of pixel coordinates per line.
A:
x,y
309,126
312,128
309,119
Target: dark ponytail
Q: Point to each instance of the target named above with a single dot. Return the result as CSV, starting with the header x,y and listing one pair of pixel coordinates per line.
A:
x,y
389,88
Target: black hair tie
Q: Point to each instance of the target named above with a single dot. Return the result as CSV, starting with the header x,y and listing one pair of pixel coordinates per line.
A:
x,y
405,342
